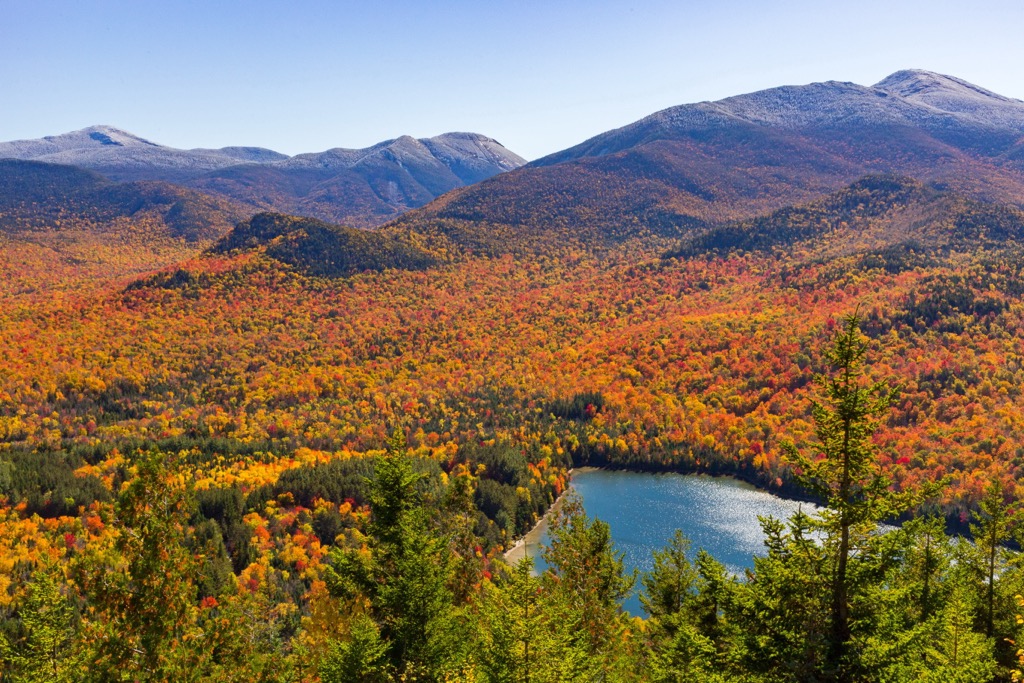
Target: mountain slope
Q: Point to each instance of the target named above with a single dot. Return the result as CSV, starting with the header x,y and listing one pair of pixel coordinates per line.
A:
x,y
911,99
361,187
877,213
318,248
35,195
66,229
364,187
120,155
968,102
709,162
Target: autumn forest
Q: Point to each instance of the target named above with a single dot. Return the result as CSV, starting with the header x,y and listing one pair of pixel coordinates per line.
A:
x,y
241,446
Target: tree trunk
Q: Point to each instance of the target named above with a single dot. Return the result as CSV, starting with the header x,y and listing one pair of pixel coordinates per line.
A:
x,y
840,608
991,587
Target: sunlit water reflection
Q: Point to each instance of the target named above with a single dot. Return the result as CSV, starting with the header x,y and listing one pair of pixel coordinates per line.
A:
x,y
643,511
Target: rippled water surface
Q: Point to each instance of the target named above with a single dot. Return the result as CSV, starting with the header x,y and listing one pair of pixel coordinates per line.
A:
x,y
644,510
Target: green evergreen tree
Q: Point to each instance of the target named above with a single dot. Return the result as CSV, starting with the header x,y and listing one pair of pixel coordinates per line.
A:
x,y
925,563
904,583
146,621
781,611
670,584
991,529
683,600
406,579
956,652
842,469
715,595
585,568
523,637
215,574
363,656
46,649
511,622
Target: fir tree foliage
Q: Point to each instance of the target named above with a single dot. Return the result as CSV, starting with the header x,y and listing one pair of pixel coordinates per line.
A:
x,y
842,469
585,568
412,628
46,648
991,529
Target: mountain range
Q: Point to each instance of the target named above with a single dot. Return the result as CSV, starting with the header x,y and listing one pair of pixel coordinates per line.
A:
x,y
674,173
358,187
697,164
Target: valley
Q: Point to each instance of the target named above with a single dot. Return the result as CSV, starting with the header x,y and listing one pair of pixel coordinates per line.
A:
x,y
234,365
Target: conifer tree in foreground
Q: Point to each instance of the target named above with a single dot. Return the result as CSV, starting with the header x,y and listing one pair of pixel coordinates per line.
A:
x,y
142,588
991,529
46,650
843,470
410,630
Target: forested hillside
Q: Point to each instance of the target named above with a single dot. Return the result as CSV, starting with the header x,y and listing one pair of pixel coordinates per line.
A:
x,y
172,580
38,196
696,362
64,229
317,248
275,448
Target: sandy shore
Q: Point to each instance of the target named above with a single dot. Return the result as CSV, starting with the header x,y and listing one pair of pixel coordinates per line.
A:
x,y
534,535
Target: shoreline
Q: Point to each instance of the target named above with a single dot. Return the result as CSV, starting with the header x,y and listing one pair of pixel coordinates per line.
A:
x,y
533,536
954,526
517,552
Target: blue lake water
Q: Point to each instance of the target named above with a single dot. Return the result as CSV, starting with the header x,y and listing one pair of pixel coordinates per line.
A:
x,y
644,510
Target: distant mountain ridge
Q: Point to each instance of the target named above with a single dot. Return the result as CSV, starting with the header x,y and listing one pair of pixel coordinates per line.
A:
x,y
360,187
911,98
678,170
122,156
363,187
700,164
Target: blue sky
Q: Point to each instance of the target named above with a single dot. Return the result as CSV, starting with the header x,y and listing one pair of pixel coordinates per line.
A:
x,y
539,76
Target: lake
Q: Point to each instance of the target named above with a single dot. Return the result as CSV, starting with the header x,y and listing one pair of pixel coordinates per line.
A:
x,y
643,510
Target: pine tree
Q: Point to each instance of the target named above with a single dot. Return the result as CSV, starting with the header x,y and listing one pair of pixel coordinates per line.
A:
x,y
958,653
46,651
669,586
683,601
360,657
844,472
523,638
715,592
405,580
146,622
587,570
925,563
782,610
991,529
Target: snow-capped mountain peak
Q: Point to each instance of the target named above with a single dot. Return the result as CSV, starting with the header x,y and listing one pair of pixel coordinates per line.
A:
x,y
955,96
100,135
950,108
921,85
